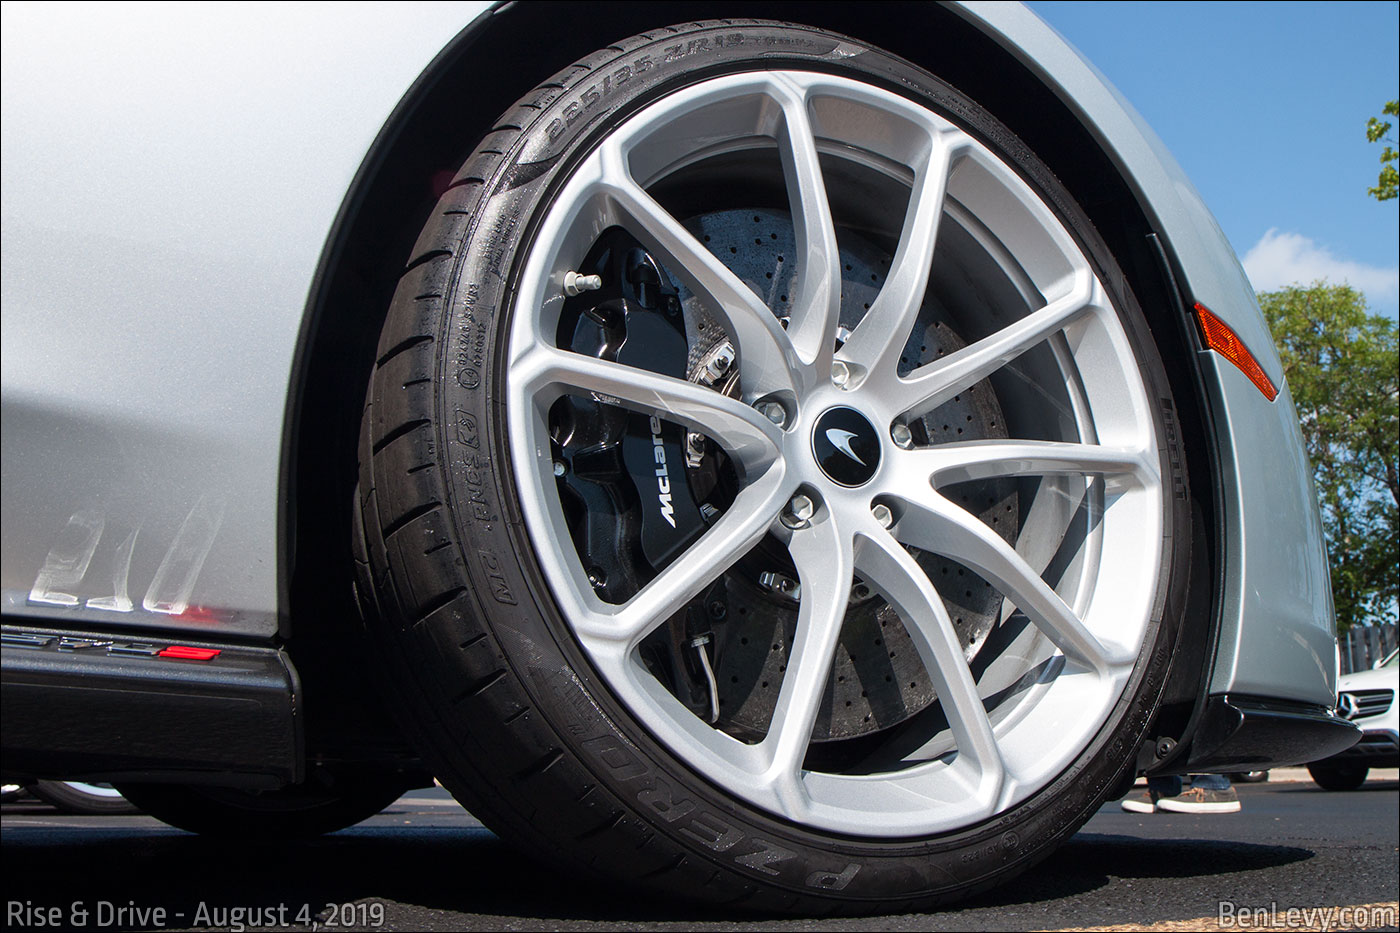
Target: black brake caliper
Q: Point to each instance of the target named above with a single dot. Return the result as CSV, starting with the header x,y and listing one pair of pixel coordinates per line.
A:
x,y
624,482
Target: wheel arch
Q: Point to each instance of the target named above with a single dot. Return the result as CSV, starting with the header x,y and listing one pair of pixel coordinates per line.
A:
x,y
516,46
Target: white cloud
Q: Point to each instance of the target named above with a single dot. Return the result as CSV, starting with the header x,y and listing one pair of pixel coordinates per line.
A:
x,y
1280,259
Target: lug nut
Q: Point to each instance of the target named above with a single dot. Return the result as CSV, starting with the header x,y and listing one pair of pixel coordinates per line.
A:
x,y
882,514
774,412
840,374
901,435
575,284
799,511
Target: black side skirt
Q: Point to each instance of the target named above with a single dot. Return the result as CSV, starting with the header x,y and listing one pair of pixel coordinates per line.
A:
x,y
131,706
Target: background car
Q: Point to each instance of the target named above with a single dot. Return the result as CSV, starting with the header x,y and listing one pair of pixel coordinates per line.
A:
x,y
1367,698
807,464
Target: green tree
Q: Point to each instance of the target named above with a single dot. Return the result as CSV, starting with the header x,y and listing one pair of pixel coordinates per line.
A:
x,y
1376,129
1341,364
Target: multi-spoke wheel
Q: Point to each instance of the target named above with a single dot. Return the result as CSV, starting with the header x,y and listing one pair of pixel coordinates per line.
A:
x,y
767,479
82,797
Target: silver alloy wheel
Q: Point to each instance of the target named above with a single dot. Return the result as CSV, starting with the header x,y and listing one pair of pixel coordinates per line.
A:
x,y
96,790
1092,623
81,797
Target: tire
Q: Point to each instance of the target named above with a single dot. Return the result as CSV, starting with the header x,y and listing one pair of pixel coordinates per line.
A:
x,y
498,561
80,797
1338,776
1249,777
295,812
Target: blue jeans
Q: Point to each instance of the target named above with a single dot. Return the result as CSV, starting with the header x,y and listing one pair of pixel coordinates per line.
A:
x,y
1171,785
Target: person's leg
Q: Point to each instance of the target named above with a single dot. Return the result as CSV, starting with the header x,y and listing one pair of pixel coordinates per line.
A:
x,y
1167,785
1211,781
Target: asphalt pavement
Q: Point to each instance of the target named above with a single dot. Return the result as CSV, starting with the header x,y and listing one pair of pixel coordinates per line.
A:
x,y
426,864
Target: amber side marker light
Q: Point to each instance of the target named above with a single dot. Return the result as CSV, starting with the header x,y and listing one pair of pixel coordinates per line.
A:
x,y
1221,339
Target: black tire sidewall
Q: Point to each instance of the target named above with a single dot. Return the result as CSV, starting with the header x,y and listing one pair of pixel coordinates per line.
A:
x,y
516,604
292,812
1338,775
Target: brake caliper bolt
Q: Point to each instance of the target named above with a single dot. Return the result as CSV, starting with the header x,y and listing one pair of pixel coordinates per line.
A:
x,y
694,449
840,374
774,412
882,514
781,584
901,435
560,468
799,511
715,364
575,284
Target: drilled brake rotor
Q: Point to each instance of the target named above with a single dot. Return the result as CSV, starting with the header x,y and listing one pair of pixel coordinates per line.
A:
x,y
877,679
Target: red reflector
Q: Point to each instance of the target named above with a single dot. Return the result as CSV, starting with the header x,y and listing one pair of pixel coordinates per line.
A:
x,y
198,614
188,653
1223,340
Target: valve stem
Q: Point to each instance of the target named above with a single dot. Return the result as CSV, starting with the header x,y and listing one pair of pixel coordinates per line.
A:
x,y
576,284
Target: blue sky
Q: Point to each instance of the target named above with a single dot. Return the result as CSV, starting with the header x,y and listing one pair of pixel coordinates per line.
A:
x,y
1265,106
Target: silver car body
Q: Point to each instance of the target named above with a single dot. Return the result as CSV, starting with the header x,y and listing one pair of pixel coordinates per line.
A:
x,y
171,176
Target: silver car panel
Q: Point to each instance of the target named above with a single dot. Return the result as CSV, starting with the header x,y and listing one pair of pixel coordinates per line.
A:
x,y
170,174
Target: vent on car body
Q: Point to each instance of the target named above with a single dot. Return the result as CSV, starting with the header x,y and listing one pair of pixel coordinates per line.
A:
x,y
1358,704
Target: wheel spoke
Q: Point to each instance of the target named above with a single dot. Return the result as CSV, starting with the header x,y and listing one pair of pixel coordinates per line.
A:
x,y
732,536
817,303
893,573
874,347
935,383
974,460
935,524
824,568
747,436
767,359
1051,675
